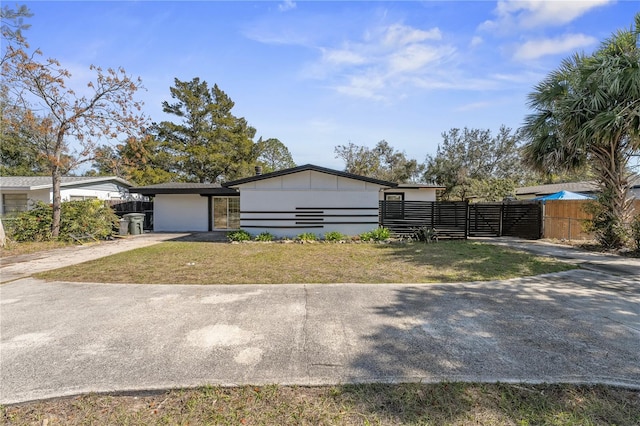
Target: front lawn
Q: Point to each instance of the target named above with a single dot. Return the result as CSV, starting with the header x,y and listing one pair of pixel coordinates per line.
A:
x,y
255,263
369,404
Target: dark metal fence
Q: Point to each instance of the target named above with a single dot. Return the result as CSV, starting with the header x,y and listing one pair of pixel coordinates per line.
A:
x,y
121,208
449,219
459,219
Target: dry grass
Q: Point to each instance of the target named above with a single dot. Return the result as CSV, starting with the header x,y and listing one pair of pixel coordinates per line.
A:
x,y
221,263
433,404
18,249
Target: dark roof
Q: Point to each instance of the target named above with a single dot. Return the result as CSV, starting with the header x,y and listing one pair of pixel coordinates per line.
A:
x,y
184,188
584,187
44,182
307,167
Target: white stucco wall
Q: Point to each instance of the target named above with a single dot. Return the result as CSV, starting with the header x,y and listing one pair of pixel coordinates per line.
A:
x,y
309,196
180,213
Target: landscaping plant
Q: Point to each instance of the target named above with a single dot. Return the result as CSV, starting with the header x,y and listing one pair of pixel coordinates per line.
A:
x,y
334,236
264,237
378,234
78,218
307,236
240,235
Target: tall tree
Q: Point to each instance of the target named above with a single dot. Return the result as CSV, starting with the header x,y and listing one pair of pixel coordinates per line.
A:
x,y
587,112
17,155
473,163
142,161
380,162
209,142
64,127
274,155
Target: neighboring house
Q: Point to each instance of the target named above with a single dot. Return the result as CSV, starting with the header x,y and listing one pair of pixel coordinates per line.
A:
x,y
285,203
586,188
530,192
19,193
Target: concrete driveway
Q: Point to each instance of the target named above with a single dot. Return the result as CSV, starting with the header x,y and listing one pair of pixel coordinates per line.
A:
x,y
62,338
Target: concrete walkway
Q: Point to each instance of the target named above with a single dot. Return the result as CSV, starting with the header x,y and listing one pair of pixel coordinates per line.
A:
x,y
582,326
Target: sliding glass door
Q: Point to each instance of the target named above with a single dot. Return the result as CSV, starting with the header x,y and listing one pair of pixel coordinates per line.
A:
x,y
226,212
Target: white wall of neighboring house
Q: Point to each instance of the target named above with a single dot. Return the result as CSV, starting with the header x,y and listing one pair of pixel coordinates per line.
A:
x,y
32,197
180,213
101,191
322,201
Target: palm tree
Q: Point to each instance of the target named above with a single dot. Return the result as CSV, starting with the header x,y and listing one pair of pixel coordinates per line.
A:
x,y
587,113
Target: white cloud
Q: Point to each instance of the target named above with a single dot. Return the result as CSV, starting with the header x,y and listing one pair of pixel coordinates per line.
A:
x,y
527,14
535,49
476,41
399,35
342,56
385,58
286,5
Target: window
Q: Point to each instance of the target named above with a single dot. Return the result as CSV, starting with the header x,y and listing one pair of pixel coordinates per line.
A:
x,y
14,203
81,197
394,205
394,196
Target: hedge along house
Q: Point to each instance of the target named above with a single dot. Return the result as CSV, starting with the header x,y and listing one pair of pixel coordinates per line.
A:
x,y
284,203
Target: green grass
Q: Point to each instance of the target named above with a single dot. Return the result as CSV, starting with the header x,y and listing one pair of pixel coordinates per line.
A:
x,y
371,404
221,263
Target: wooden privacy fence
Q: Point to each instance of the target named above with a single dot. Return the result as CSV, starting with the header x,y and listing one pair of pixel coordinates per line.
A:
x,y
460,219
566,219
121,207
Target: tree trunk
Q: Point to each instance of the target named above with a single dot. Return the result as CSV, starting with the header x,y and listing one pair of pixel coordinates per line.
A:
x,y
611,170
57,201
3,237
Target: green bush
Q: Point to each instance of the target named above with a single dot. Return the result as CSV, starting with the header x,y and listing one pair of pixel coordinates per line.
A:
x,y
77,218
635,231
240,235
264,236
425,234
334,236
306,236
378,234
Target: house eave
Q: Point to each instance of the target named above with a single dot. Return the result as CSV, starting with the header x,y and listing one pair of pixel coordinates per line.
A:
x,y
307,167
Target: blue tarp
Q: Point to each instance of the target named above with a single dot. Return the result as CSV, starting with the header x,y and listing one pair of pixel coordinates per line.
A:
x,y
565,195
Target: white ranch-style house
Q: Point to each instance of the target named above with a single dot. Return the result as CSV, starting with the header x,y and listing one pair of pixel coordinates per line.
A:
x,y
285,203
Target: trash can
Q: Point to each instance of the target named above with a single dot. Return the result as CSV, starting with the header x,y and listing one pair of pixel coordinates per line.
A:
x,y
136,222
124,226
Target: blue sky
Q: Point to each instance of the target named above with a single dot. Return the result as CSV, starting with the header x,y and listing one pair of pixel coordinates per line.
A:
x,y
320,74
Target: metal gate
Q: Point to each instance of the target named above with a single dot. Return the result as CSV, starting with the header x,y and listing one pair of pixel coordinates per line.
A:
x,y
521,219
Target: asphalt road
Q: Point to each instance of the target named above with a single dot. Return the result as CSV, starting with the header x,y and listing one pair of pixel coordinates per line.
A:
x,y
60,338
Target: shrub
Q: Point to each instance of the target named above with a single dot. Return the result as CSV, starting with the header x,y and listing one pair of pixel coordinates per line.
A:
x,y
32,225
378,234
306,236
425,234
334,236
635,231
240,235
264,236
607,228
76,218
